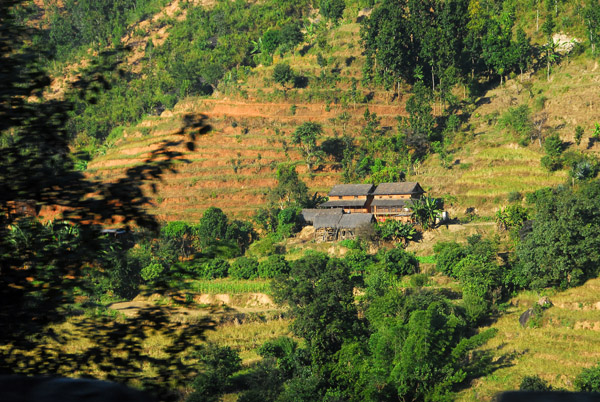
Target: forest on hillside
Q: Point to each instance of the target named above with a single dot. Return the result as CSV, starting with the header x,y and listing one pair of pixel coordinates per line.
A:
x,y
376,322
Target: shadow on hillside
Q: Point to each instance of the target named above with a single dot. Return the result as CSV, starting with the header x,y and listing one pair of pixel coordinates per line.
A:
x,y
484,362
45,268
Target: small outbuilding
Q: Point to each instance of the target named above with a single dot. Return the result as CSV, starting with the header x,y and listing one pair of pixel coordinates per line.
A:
x,y
350,224
334,224
326,224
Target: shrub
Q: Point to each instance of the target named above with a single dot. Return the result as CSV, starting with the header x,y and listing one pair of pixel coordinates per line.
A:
x,y
283,74
419,280
518,120
152,271
578,134
287,221
399,262
551,163
215,268
244,268
352,244
358,261
266,246
515,196
534,383
271,39
589,380
534,197
447,255
481,281
553,145
273,266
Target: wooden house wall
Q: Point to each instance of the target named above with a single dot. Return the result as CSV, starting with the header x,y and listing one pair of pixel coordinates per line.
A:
x,y
385,217
394,196
349,197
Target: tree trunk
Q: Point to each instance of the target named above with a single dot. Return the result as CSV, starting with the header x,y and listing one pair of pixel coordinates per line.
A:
x,y
537,19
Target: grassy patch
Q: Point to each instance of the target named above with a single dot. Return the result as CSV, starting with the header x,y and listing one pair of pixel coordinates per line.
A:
x,y
230,286
508,154
426,259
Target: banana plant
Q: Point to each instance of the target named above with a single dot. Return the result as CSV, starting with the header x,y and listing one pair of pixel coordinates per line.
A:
x,y
425,211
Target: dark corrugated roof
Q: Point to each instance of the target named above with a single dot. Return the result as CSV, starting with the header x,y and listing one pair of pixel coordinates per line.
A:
x,y
399,188
352,221
391,203
308,215
350,189
327,218
343,203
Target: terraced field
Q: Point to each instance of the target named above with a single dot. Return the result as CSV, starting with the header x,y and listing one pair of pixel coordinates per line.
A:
x,y
233,166
564,343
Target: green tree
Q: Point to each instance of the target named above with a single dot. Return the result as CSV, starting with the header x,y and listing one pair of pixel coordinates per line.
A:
x,y
283,75
270,41
398,262
306,137
417,349
242,233
388,42
291,35
497,43
562,248
447,256
320,294
332,9
289,191
418,106
219,363
523,51
591,15
212,226
550,48
181,236
481,281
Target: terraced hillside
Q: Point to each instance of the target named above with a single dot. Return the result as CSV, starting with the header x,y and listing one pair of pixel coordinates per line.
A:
x,y
233,166
252,118
557,348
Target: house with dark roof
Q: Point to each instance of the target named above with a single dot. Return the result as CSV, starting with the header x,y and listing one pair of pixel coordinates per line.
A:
x,y
334,224
352,206
394,200
352,198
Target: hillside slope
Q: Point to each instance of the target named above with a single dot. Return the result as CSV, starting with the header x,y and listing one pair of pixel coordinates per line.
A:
x,y
234,165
